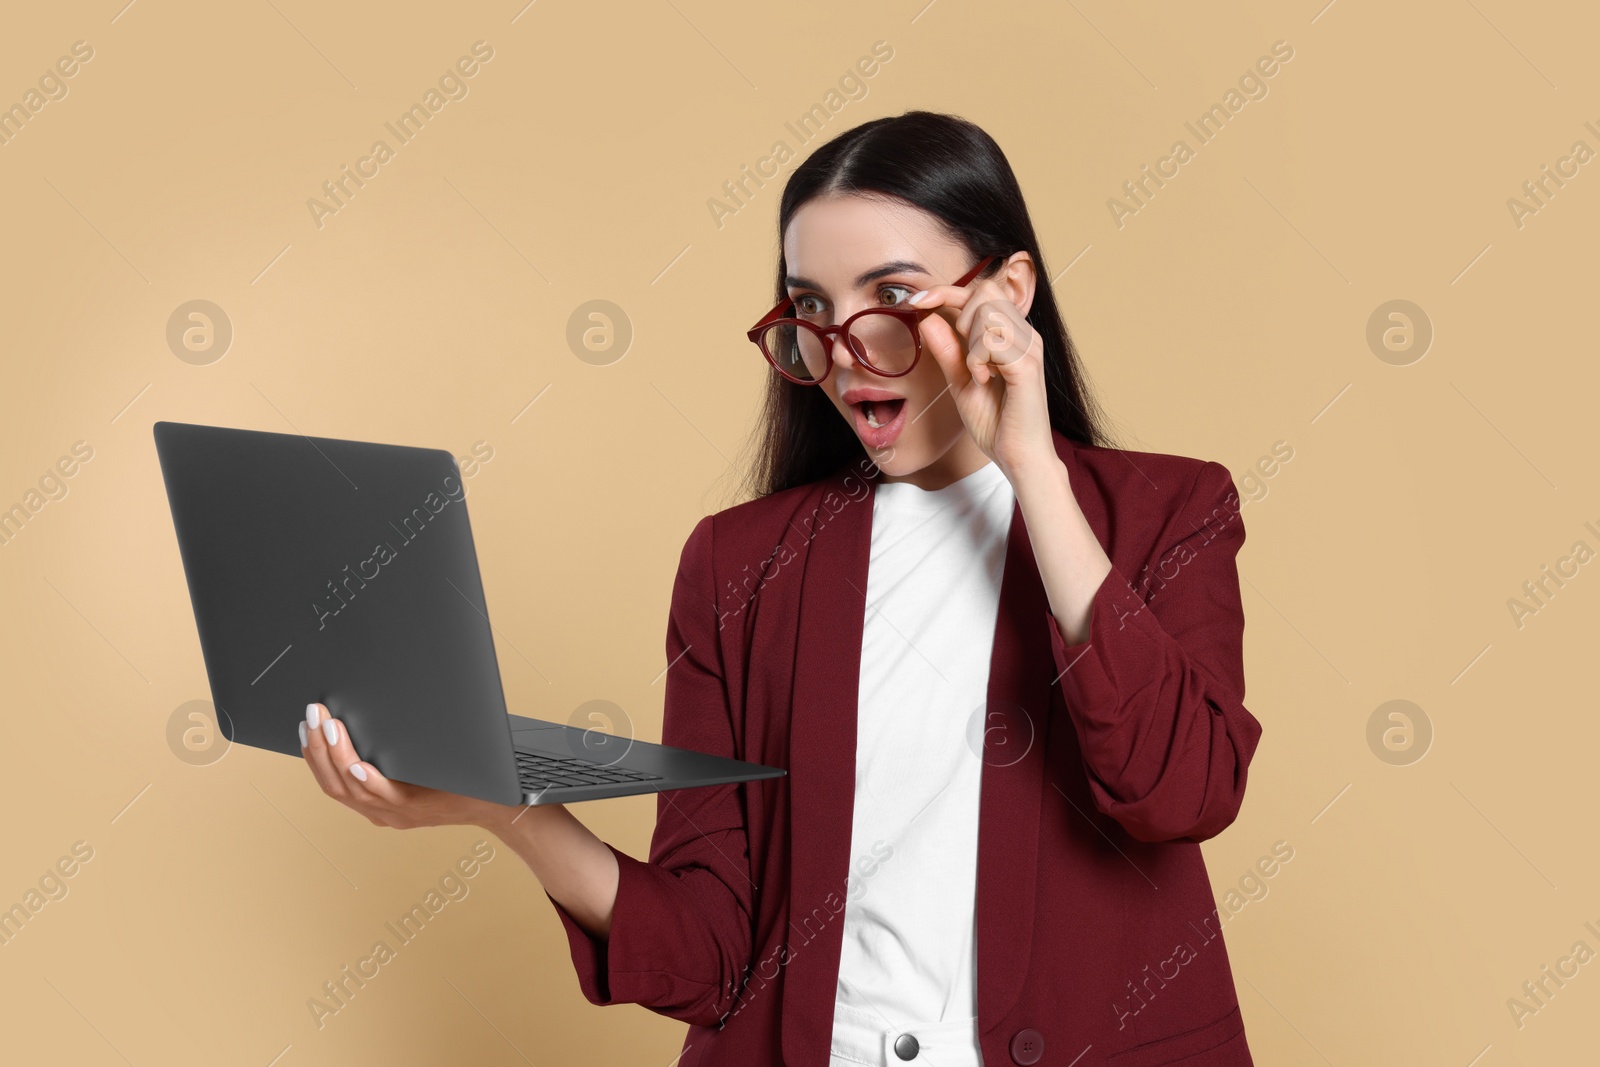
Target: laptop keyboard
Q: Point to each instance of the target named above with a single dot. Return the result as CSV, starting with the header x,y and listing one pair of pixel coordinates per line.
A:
x,y
538,771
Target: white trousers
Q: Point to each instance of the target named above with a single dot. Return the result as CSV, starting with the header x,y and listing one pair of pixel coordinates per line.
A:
x,y
862,1038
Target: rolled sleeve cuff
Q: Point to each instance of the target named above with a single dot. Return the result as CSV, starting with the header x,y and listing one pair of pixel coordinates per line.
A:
x,y
1119,650
613,971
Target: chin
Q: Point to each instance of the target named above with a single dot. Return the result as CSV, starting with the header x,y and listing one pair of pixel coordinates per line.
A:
x,y
899,459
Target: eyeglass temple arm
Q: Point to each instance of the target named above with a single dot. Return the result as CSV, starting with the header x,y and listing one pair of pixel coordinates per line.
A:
x,y
975,271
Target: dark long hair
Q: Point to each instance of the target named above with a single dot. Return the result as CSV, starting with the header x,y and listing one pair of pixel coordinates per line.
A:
x,y
955,171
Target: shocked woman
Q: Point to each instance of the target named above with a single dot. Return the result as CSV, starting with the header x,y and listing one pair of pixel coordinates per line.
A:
x,y
1000,660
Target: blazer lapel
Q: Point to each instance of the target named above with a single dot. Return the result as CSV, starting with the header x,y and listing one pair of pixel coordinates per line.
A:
x,y
822,765
1015,772
822,746
1015,723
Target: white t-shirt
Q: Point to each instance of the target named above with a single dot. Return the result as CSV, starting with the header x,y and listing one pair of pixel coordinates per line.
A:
x,y
933,589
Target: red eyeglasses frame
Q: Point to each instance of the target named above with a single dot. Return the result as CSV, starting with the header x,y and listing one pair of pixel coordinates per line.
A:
x,y
910,315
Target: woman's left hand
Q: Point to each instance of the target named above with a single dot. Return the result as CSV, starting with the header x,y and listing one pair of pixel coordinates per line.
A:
x,y
993,361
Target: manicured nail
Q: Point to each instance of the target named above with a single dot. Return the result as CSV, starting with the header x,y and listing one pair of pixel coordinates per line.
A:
x,y
311,715
302,735
917,297
359,771
330,730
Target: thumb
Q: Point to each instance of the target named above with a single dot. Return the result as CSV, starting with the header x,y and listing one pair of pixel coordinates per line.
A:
x,y
941,341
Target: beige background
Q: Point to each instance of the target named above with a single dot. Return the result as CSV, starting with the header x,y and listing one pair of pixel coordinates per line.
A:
x,y
1228,314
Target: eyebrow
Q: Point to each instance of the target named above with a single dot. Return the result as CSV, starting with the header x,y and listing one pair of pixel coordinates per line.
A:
x,y
899,266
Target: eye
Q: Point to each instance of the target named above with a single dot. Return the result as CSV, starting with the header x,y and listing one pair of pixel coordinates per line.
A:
x,y
802,309
905,292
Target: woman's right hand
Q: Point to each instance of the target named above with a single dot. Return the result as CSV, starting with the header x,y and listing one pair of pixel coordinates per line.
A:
x,y
575,867
401,805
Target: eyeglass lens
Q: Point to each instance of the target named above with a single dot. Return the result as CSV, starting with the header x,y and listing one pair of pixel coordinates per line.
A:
x,y
887,343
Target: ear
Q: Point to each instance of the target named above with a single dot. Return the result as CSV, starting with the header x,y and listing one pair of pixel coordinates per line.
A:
x,y
1017,278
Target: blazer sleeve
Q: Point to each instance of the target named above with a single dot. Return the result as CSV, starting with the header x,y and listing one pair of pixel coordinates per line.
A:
x,y
1156,689
681,931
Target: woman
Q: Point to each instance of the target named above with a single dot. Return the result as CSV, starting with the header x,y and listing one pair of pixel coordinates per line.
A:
x,y
1000,660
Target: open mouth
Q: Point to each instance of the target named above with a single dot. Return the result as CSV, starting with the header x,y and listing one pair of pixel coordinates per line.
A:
x,y
880,413
878,422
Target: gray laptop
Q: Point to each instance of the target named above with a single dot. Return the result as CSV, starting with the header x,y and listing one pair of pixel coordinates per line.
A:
x,y
344,572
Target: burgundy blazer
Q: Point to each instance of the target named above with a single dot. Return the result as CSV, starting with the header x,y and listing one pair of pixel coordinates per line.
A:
x,y
1106,762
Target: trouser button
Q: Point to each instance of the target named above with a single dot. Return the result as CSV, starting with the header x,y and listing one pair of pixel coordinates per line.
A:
x,y
905,1046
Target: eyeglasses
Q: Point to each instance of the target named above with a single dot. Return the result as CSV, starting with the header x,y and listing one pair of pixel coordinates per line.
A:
x,y
884,340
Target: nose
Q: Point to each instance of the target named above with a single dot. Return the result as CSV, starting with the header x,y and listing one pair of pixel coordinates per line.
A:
x,y
839,351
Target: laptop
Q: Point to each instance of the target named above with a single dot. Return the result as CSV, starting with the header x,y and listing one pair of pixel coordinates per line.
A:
x,y
343,572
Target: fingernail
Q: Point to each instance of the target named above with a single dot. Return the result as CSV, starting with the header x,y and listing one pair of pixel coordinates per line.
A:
x,y
311,715
302,735
917,297
330,730
359,771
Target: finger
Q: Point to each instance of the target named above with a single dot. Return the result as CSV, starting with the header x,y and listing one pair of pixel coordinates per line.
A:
x,y
332,782
1001,340
342,757
980,295
952,296
948,349
383,792
341,750
976,323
